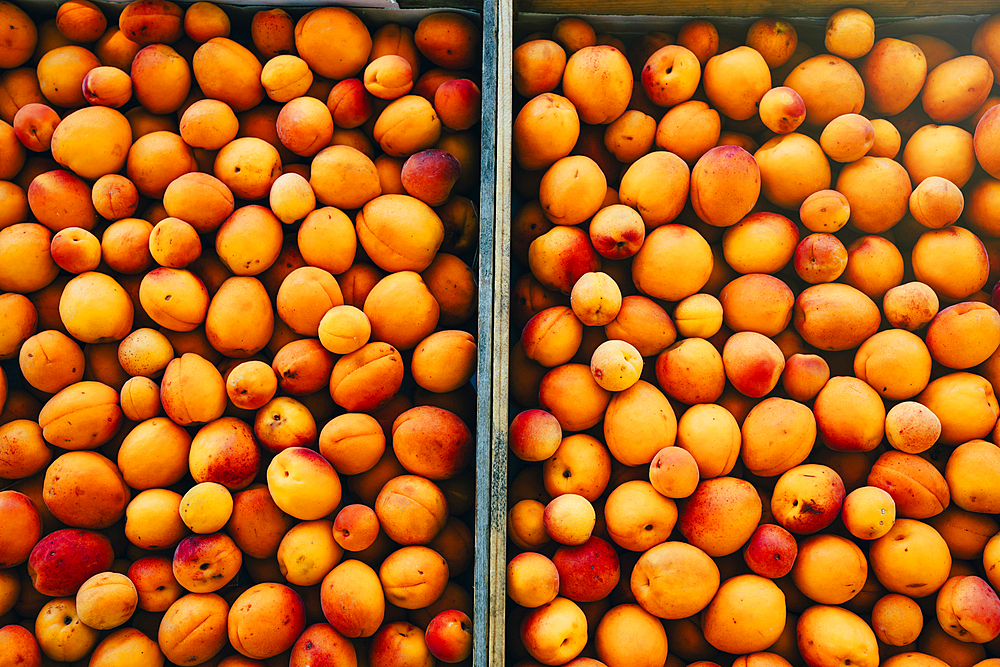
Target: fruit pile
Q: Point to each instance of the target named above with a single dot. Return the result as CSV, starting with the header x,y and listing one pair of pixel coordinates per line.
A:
x,y
756,345
237,321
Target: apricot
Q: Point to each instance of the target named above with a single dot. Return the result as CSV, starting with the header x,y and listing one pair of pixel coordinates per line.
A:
x,y
50,361
194,628
209,124
537,67
407,125
227,71
23,450
156,159
60,632
944,244
545,130
749,632
945,102
797,154
248,166
973,323
911,559
816,78
346,584
675,371
689,130
825,632
778,434
936,202
199,199
929,141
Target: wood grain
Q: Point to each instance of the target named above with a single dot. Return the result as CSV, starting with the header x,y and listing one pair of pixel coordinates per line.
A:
x,y
816,8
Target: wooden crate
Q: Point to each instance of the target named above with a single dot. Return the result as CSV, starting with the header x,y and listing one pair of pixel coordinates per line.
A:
x,y
409,13
517,18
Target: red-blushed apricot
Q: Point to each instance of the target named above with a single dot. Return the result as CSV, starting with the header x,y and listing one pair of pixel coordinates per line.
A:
x,y
367,378
722,535
725,184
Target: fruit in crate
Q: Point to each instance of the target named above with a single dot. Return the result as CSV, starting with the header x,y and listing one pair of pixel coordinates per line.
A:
x,y
196,389
790,408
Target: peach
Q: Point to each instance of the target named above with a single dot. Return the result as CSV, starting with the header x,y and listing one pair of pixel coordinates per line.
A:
x,y
61,72
976,324
50,361
82,416
671,75
34,125
753,363
778,434
392,245
367,378
161,78
413,577
896,363
537,67
348,583
203,21
657,186
88,552
458,104
689,130
824,633
592,66
286,77
206,563
532,580
292,479
911,427
748,632
545,130
910,306
193,629
725,185
964,403
782,110
822,310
